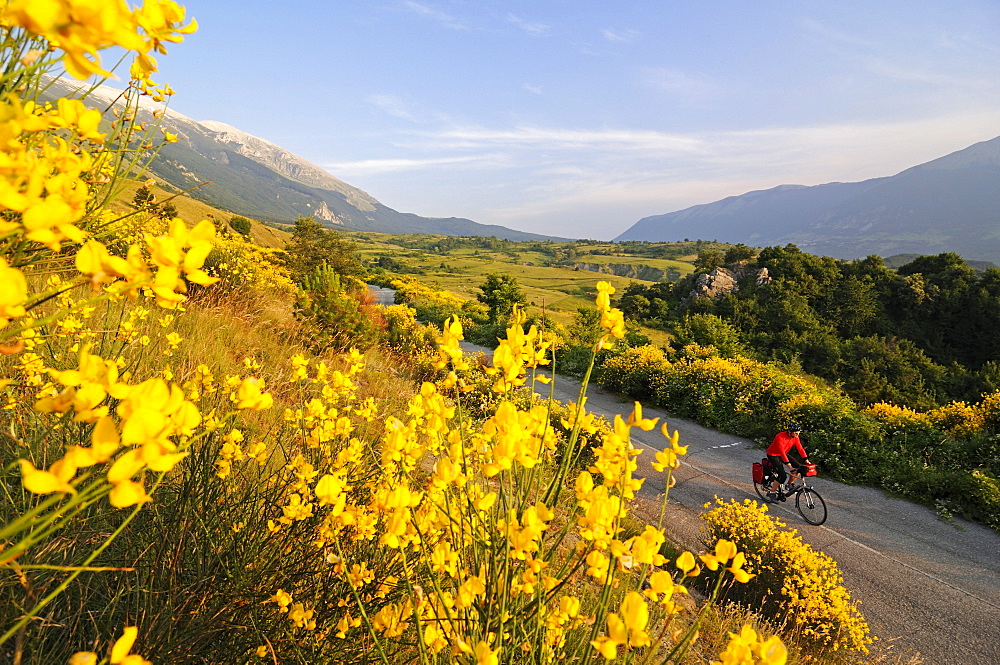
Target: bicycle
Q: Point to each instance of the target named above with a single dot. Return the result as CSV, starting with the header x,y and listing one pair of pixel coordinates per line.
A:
x,y
807,500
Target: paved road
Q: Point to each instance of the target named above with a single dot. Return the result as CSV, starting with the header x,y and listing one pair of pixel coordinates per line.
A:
x,y
924,585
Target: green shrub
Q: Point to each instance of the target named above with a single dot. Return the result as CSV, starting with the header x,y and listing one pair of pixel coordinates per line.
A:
x,y
340,319
485,335
241,225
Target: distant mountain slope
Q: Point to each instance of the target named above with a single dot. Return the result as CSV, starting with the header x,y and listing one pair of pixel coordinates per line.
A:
x,y
253,177
950,204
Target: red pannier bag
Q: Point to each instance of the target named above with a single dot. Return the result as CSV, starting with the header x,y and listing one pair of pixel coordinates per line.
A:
x,y
758,473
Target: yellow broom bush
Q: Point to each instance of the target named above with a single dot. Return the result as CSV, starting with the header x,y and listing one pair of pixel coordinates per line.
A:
x,y
794,584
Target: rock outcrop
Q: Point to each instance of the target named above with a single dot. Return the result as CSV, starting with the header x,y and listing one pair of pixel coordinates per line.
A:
x,y
722,281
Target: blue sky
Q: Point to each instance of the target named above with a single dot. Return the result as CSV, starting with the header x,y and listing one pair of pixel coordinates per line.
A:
x,y
579,117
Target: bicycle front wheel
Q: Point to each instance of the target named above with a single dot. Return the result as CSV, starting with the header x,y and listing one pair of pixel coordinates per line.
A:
x,y
811,506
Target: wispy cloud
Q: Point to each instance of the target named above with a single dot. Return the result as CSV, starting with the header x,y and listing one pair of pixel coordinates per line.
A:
x,y
529,27
432,13
392,105
367,167
535,89
545,138
617,35
927,68
606,179
685,87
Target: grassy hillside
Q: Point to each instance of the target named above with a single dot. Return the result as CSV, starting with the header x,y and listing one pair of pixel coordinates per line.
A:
x,y
191,210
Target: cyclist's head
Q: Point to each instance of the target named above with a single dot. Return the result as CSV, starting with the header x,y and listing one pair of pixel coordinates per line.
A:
x,y
793,428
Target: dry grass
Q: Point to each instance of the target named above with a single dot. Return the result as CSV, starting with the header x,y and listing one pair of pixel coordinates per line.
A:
x,y
192,211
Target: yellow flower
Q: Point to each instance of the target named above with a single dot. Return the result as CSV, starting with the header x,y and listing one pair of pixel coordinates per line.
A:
x,y
83,658
635,419
745,646
661,590
302,617
614,321
667,458
485,656
283,599
128,493
607,645
120,651
56,479
737,569
468,591
299,365
604,293
346,623
635,615
724,551
13,293
249,395
688,565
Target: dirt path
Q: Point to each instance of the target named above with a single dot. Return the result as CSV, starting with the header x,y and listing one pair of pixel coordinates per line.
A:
x,y
925,585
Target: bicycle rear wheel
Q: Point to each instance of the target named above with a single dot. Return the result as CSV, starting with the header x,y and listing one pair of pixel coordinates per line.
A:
x,y
811,506
762,489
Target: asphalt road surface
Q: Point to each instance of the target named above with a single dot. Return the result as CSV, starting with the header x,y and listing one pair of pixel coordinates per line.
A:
x,y
926,586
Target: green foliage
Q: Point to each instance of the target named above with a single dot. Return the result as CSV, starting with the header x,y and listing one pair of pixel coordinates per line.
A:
x,y
339,319
710,330
737,253
241,225
709,259
313,246
389,263
144,199
485,334
585,330
475,312
167,211
631,371
501,293
922,336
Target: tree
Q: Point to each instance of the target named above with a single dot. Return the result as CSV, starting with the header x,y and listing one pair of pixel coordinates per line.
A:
x,y
167,211
709,259
635,306
739,252
853,307
313,246
241,225
500,293
586,326
144,199
710,330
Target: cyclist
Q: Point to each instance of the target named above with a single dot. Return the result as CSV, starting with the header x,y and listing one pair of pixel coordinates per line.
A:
x,y
777,455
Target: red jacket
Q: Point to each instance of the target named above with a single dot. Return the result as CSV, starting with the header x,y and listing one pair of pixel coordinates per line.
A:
x,y
782,443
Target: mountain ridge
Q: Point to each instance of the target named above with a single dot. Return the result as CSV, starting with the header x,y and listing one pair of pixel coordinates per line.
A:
x,y
951,203
250,176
